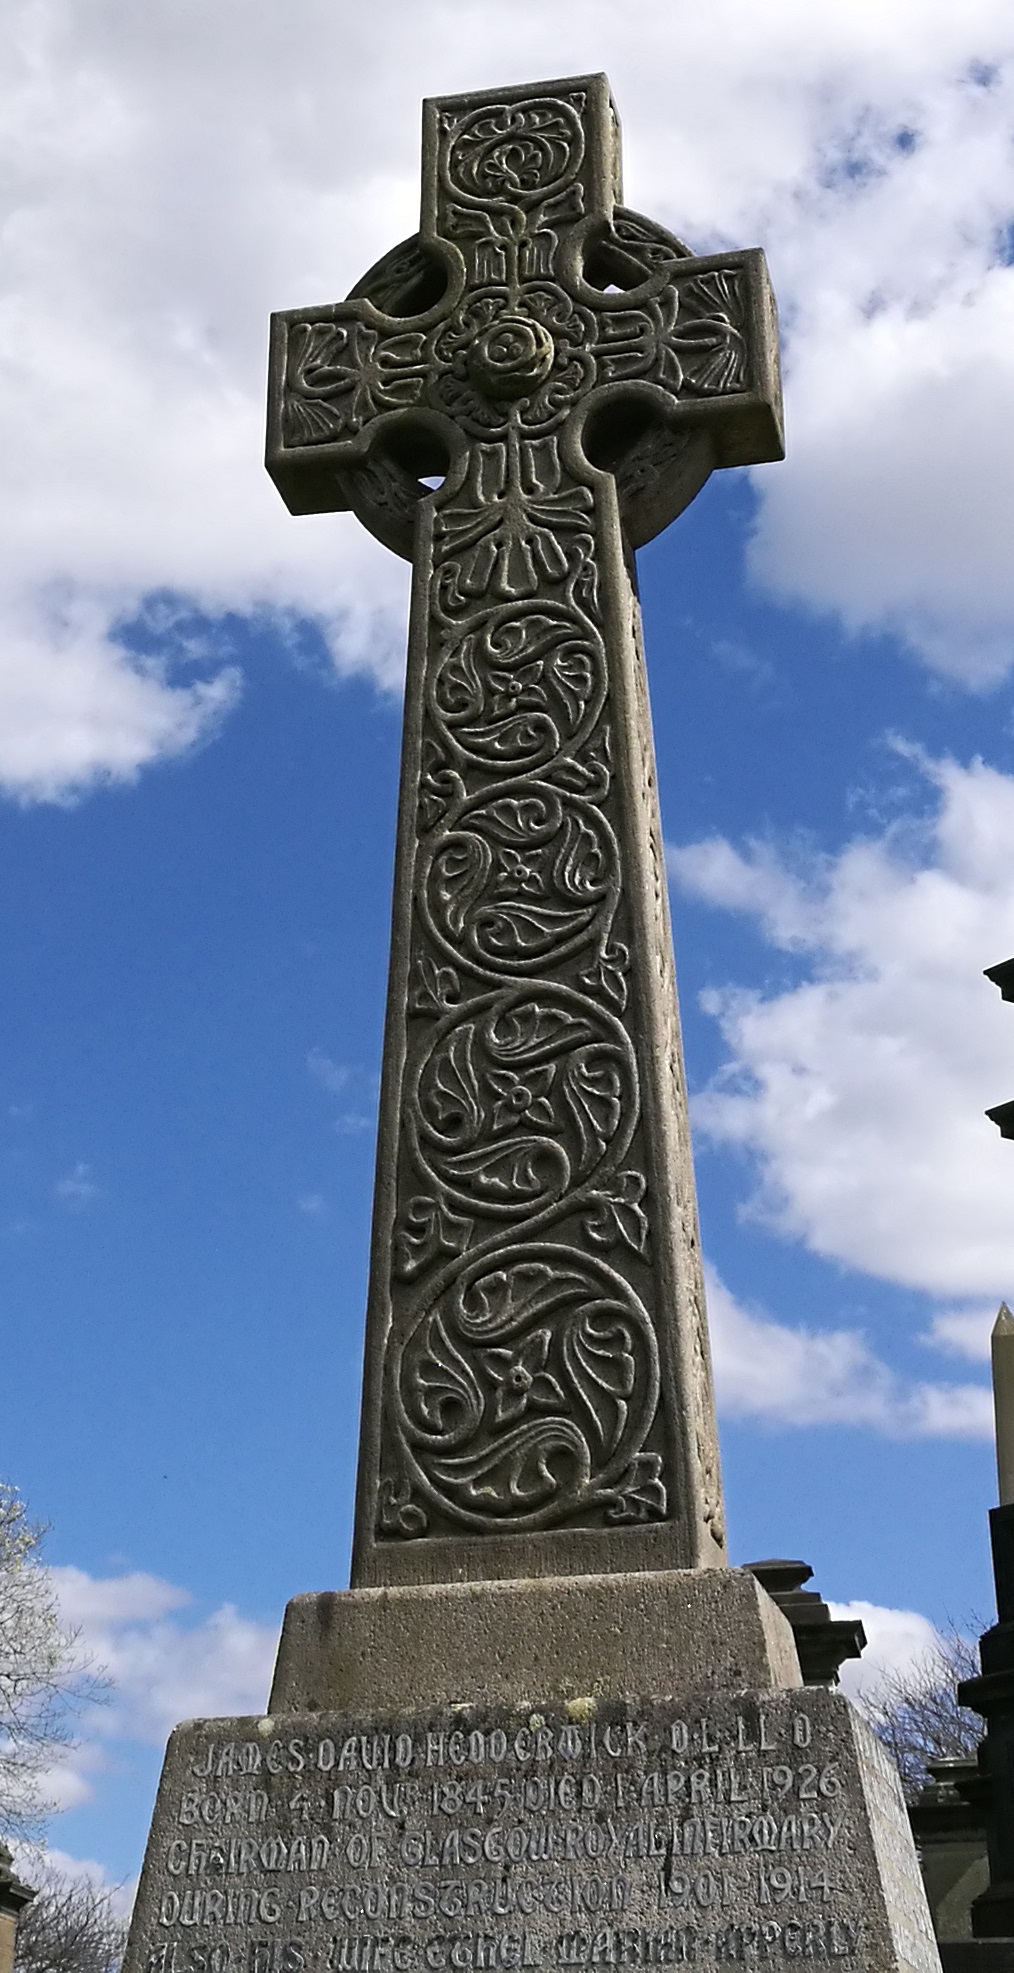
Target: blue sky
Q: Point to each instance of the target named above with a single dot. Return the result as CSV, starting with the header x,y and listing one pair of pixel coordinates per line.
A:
x,y
199,731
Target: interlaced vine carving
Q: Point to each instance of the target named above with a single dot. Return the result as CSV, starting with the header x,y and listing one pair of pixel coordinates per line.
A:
x,y
524,1388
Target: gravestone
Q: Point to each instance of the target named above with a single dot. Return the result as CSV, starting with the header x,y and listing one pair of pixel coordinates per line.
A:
x,y
547,1726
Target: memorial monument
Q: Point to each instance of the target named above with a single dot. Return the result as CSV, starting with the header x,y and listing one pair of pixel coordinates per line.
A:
x,y
547,1726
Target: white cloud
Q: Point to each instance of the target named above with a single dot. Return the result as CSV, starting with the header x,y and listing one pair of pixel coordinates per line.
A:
x,y
76,1188
332,1076
962,1332
897,1641
103,1603
792,1376
163,1669
859,1093
172,172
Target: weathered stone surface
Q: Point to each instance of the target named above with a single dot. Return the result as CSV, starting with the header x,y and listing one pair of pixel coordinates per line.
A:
x,y
517,1642
757,1827
538,1393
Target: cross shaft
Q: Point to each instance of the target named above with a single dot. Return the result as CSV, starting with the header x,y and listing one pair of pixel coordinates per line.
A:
x,y
537,1393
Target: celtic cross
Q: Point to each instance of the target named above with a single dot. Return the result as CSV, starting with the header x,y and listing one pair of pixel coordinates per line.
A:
x,y
515,399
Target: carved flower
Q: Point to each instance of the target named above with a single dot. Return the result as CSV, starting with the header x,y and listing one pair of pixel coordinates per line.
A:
x,y
519,873
524,1098
521,1378
512,689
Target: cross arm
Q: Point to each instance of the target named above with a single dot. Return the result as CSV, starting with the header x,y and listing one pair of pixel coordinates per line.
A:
x,y
341,379
687,381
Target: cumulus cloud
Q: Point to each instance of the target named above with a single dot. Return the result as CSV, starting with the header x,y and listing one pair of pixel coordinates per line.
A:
x,y
897,1641
173,172
788,1375
162,1668
858,1094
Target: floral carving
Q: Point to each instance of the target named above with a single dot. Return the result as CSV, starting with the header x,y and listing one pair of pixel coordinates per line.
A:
x,y
522,1380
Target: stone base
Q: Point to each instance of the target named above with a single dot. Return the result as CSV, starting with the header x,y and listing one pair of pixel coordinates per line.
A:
x,y
656,1633
761,1828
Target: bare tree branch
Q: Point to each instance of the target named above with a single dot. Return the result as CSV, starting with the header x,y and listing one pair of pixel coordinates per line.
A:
x,y
71,1926
915,1711
45,1676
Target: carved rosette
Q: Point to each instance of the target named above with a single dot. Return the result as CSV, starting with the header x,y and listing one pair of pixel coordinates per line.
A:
x,y
524,1272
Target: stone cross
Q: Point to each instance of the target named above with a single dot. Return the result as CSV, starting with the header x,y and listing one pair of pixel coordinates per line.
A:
x,y
516,399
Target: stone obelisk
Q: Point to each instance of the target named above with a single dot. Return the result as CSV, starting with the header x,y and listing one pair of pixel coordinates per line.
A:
x,y
546,1726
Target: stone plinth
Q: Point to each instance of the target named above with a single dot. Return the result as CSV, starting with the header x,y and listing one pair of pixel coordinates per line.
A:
x,y
519,1642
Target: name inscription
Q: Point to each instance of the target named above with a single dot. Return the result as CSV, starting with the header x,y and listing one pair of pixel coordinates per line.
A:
x,y
577,1836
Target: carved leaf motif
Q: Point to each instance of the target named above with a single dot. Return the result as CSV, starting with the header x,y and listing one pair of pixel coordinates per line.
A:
x,y
306,422
592,1089
641,1494
586,777
507,1299
459,687
619,1215
448,1397
429,1229
492,547
603,1366
517,1171
708,339
519,819
440,786
519,930
453,1095
399,1513
328,359
608,976
460,871
534,1024
581,863
520,742
434,988
586,579
524,1470
573,677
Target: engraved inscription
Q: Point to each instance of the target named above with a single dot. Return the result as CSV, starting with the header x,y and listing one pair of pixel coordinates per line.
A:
x,y
595,1835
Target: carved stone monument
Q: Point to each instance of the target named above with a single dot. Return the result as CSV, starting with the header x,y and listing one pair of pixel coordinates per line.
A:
x,y
546,1727
538,1394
